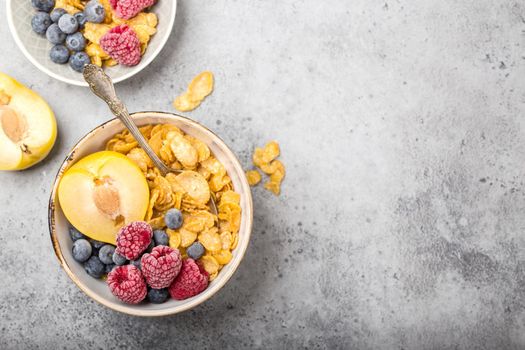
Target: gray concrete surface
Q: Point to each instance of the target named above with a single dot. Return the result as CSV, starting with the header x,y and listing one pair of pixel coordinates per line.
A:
x,y
401,224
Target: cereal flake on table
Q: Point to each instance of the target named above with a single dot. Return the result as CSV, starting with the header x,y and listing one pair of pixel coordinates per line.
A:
x,y
265,159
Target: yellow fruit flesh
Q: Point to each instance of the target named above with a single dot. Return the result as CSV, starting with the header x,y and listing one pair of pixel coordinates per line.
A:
x,y
103,192
40,127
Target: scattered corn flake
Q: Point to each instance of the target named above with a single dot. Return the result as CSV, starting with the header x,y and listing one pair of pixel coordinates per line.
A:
x,y
254,177
200,87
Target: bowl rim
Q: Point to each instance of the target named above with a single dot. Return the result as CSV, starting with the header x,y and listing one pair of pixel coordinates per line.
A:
x,y
124,308
135,70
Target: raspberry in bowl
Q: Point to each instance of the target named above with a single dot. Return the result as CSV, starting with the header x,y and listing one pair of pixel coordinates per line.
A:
x,y
158,250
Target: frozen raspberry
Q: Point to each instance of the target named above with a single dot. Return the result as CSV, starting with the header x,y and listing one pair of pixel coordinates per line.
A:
x,y
127,9
133,239
127,284
122,44
161,266
191,280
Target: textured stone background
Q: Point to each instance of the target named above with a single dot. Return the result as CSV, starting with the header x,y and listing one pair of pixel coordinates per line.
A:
x,y
401,222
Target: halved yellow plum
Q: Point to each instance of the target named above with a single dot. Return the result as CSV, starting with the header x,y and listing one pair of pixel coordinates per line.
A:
x,y
101,193
28,128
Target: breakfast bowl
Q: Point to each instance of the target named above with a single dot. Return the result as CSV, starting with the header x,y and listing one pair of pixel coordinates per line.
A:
x,y
59,225
37,48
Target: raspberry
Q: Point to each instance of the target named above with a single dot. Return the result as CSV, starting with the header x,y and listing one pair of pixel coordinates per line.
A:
x,y
127,284
191,280
161,266
122,44
127,9
133,239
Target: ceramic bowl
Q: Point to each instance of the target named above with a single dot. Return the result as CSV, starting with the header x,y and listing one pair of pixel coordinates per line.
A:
x,y
97,289
36,48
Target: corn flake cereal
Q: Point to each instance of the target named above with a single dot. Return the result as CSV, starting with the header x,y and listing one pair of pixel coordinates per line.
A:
x,y
254,177
144,24
200,87
190,191
264,158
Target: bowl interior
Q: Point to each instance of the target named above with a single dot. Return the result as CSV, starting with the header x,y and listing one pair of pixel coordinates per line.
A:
x,y
97,289
36,48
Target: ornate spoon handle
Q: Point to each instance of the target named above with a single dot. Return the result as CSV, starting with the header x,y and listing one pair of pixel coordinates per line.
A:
x,y
103,87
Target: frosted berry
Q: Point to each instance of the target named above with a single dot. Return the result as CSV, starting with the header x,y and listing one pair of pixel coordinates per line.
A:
x,y
105,254
173,219
127,284
81,250
54,35
133,239
160,237
161,266
158,296
40,22
118,259
94,12
192,280
43,5
94,267
68,24
127,9
195,251
56,14
122,44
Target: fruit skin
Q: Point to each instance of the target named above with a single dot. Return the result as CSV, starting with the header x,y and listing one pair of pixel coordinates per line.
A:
x,y
75,42
54,35
94,267
173,219
94,12
160,237
161,266
68,24
32,148
75,234
105,254
118,259
78,60
195,251
59,54
158,296
81,19
133,239
75,194
81,250
56,14
127,284
191,280
122,44
40,22
43,5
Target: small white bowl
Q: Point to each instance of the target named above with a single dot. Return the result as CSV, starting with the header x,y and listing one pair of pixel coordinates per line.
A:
x,y
97,289
36,47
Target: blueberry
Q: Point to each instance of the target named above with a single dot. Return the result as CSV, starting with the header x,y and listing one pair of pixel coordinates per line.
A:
x,y
158,296
60,54
195,250
81,19
136,263
56,14
118,259
97,244
54,35
150,247
94,267
173,219
105,254
75,234
108,268
40,22
75,42
160,237
43,5
78,60
94,12
81,250
68,24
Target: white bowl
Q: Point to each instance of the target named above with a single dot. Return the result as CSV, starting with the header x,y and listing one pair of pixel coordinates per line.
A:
x,y
97,289
36,47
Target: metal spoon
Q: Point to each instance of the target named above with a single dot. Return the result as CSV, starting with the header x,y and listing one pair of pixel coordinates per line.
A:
x,y
102,86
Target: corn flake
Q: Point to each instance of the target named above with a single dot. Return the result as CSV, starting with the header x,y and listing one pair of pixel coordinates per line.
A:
x,y
200,87
254,177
